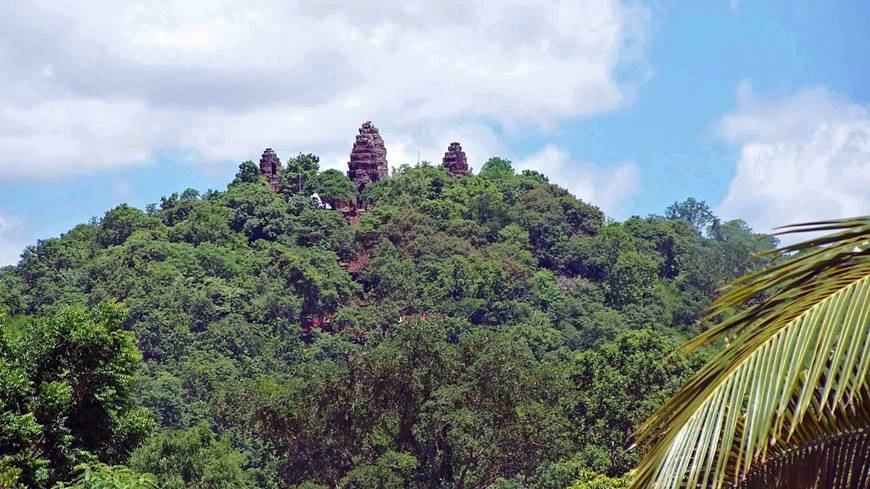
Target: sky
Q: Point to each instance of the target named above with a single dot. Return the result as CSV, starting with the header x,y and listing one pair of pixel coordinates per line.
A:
x,y
761,109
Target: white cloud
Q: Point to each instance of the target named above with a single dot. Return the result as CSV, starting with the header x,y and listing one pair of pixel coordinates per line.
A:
x,y
608,188
803,157
12,241
89,85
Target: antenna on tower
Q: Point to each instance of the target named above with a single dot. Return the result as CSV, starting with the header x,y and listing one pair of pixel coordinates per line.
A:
x,y
418,156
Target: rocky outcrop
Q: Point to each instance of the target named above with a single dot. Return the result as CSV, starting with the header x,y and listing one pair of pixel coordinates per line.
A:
x,y
368,159
455,161
269,165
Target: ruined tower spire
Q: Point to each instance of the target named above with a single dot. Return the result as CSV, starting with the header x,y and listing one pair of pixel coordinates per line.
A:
x,y
269,165
368,158
454,160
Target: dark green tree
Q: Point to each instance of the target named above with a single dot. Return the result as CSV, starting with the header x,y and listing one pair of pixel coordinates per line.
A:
x,y
248,173
617,386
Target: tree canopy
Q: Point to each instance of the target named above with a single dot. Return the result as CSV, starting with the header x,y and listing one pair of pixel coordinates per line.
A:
x,y
483,331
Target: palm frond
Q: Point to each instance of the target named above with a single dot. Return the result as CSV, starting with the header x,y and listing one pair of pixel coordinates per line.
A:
x,y
794,369
831,462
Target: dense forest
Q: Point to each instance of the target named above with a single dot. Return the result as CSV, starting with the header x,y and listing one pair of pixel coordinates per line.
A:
x,y
430,331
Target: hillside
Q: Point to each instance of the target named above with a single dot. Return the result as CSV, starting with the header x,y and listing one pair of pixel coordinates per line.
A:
x,y
431,329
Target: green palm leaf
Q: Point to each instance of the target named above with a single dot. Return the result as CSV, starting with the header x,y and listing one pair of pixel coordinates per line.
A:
x,y
792,380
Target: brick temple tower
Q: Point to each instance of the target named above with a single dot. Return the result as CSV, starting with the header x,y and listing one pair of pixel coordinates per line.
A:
x,y
269,165
454,160
368,158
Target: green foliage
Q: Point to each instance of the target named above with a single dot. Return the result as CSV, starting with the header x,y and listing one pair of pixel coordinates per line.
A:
x,y
258,212
631,279
65,394
413,409
390,471
489,330
591,480
119,223
102,476
696,213
194,458
333,187
248,173
298,173
497,167
617,386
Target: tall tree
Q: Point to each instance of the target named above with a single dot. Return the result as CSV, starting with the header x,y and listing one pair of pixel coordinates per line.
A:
x,y
300,170
695,212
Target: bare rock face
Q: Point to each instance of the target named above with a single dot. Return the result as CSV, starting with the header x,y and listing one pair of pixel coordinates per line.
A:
x,y
269,165
368,159
455,161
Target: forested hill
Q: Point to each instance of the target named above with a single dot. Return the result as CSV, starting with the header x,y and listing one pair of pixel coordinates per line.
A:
x,y
490,330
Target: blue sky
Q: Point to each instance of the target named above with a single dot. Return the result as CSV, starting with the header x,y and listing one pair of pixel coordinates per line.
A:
x,y
760,108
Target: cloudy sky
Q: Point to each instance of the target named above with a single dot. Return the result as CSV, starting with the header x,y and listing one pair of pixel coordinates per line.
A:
x,y
760,108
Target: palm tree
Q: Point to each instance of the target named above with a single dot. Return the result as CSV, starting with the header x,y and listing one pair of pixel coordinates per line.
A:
x,y
786,402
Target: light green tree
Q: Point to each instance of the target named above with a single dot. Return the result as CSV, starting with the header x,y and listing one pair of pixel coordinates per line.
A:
x,y
194,459
102,476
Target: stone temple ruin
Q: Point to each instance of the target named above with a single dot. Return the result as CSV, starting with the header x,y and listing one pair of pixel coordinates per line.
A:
x,y
269,165
454,160
368,158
